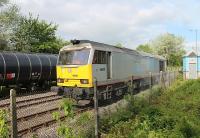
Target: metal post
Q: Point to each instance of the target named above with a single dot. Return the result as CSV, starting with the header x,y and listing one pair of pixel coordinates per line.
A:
x,y
160,83
131,84
13,113
150,80
169,78
150,86
96,109
163,79
196,32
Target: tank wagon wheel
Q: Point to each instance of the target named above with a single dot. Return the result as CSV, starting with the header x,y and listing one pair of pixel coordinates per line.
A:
x,y
33,88
45,85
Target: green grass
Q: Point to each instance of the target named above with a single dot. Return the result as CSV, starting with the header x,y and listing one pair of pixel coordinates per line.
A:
x,y
174,112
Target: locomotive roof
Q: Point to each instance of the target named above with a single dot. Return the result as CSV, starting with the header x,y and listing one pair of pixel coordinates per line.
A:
x,y
114,48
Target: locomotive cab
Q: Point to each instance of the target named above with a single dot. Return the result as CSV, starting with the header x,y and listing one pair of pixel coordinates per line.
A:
x,y
74,69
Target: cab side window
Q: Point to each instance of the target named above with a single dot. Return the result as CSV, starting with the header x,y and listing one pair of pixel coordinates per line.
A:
x,y
99,57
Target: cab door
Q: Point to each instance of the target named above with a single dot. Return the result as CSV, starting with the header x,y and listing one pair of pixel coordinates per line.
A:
x,y
99,65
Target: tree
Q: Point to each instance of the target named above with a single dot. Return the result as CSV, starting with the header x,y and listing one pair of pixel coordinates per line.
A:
x,y
9,16
36,35
119,45
169,46
51,47
145,48
3,2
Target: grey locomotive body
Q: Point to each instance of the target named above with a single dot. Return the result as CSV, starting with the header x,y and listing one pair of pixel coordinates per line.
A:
x,y
121,63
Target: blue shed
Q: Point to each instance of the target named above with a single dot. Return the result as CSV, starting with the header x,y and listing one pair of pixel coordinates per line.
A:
x,y
191,65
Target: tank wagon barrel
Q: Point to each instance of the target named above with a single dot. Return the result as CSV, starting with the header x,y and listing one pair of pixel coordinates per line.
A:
x,y
25,69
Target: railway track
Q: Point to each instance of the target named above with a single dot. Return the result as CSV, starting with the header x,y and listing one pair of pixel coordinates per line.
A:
x,y
33,124
31,100
35,111
25,114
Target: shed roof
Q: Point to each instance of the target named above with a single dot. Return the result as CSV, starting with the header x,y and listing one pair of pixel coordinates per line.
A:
x,y
191,53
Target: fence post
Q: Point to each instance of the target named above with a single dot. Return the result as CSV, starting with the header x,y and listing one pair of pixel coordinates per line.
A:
x,y
160,83
150,86
131,84
163,79
13,113
96,109
150,80
169,78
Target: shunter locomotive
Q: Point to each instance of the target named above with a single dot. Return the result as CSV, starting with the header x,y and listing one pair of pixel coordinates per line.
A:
x,y
83,61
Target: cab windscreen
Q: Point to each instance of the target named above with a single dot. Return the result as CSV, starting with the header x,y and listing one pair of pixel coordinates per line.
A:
x,y
75,57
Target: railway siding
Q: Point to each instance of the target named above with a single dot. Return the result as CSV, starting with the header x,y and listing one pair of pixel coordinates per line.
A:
x,y
22,101
35,123
24,114
35,111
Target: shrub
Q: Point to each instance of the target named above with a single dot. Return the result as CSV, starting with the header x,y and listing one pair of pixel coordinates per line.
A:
x,y
109,121
172,113
188,128
4,129
80,126
64,130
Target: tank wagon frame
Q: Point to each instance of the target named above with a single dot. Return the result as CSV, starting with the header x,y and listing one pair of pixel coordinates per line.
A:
x,y
27,70
113,67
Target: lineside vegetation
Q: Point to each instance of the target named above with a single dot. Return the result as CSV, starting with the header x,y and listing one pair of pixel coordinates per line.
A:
x,y
174,112
4,129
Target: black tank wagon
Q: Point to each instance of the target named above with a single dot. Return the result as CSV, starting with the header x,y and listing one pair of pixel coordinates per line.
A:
x,y
27,70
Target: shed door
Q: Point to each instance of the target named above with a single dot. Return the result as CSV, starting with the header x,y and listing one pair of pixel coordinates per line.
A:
x,y
193,71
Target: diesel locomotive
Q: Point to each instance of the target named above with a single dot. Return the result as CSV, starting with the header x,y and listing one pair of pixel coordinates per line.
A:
x,y
23,70
114,68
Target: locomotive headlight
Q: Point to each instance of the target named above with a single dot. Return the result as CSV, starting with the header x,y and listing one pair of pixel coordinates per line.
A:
x,y
60,80
84,81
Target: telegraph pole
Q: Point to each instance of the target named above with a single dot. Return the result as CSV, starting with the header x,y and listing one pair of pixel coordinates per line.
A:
x,y
196,32
196,36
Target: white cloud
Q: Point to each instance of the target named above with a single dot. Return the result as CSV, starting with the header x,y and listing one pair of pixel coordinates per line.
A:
x,y
129,22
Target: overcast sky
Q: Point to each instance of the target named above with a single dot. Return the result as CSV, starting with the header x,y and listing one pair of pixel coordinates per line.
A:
x,y
130,22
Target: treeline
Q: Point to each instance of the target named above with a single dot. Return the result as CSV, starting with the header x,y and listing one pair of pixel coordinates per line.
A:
x,y
167,45
26,33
